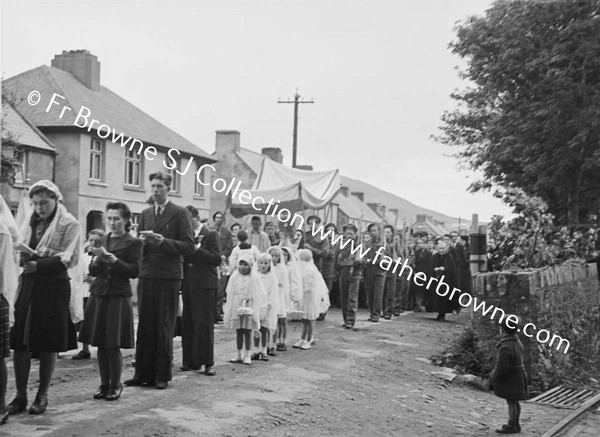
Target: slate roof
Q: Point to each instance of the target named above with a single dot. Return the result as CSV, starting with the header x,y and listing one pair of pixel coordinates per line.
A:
x,y
105,106
355,209
21,131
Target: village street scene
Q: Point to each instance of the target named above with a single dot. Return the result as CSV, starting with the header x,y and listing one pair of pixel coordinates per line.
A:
x,y
334,218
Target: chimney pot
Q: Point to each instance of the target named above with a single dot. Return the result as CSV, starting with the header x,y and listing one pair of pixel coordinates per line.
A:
x,y
81,64
345,190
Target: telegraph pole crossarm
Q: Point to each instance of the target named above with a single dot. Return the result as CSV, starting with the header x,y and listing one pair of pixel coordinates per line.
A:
x,y
296,102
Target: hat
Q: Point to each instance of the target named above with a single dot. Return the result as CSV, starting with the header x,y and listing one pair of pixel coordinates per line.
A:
x,y
315,217
350,226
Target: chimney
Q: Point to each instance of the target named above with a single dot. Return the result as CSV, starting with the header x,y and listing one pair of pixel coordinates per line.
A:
x,y
359,194
274,153
374,206
429,218
81,64
228,141
345,190
421,218
304,167
394,211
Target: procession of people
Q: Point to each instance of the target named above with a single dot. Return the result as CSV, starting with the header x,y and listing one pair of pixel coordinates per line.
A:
x,y
195,276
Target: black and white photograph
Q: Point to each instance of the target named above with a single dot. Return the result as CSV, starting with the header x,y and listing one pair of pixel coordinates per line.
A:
x,y
300,218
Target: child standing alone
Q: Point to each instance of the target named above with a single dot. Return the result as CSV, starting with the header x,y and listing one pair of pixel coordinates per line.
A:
x,y
508,378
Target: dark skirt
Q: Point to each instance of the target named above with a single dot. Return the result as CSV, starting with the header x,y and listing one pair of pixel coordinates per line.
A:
x,y
42,317
4,328
108,322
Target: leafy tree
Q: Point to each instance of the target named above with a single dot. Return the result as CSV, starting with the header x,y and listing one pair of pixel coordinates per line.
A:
x,y
530,116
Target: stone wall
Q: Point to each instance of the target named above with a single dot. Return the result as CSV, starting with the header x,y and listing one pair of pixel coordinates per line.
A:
x,y
565,300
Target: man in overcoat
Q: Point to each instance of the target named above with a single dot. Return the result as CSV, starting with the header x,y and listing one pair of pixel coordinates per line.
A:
x,y
167,233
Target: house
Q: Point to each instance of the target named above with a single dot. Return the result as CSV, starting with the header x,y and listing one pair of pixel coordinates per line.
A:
x,y
93,167
429,225
351,209
29,148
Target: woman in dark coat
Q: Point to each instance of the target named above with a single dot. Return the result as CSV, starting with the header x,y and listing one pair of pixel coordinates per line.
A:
x,y
443,265
108,320
200,282
42,317
508,378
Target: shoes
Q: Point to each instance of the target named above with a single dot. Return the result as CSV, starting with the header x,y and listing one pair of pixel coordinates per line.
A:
x,y
373,319
298,344
133,382
161,385
508,430
16,406
263,357
210,371
255,356
387,317
306,345
185,368
271,351
82,355
246,359
282,347
321,317
39,405
349,325
101,392
237,359
397,313
114,393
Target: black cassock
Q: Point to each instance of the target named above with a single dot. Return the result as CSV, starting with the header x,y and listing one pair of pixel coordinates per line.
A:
x,y
442,304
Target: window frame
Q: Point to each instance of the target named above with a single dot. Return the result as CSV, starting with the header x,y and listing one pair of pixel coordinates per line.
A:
x,y
132,157
101,155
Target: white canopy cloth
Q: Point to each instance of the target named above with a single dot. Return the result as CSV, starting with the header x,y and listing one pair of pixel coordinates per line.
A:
x,y
293,188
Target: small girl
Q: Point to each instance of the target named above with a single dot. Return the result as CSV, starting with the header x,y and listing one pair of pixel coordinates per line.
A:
x,y
314,290
508,378
244,289
268,317
242,247
285,299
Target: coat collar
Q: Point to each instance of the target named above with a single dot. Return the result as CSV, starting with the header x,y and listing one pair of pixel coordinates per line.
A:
x,y
122,243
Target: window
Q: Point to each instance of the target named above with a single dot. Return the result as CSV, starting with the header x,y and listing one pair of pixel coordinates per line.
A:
x,y
175,176
22,173
133,168
97,160
135,221
198,187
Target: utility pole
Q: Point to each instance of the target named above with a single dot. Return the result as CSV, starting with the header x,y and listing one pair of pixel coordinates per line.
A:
x,y
296,102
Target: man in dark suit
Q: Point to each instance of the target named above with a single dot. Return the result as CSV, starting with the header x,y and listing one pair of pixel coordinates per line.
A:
x,y
167,233
226,247
200,284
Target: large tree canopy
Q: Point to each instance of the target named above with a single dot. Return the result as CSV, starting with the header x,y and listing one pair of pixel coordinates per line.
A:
x,y
530,116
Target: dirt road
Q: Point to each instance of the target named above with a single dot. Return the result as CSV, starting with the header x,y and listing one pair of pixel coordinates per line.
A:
x,y
373,381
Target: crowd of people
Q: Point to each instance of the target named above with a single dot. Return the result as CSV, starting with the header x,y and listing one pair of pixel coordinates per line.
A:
x,y
190,276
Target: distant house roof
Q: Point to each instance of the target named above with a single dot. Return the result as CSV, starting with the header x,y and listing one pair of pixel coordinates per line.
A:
x,y
355,209
428,225
254,160
21,130
105,106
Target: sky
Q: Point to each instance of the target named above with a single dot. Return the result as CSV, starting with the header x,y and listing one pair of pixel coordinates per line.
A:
x,y
379,71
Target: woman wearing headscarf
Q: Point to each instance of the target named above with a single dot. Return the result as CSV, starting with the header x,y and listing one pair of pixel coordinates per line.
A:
x,y
8,286
49,246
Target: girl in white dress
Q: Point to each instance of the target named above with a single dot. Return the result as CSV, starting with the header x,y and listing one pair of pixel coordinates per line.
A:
x,y
268,316
245,298
314,291
285,299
